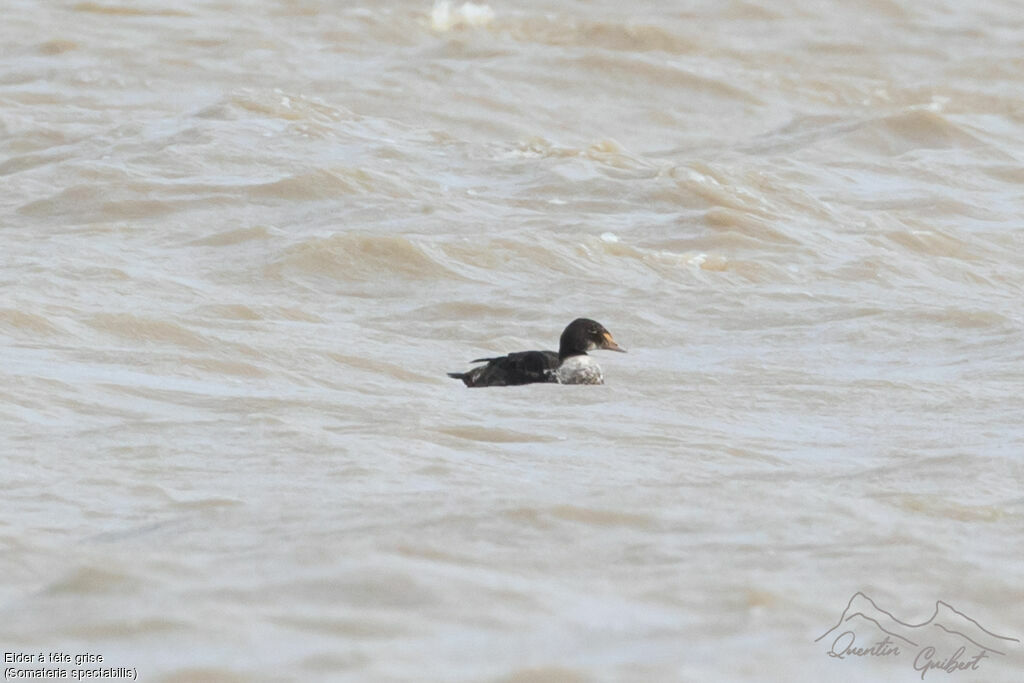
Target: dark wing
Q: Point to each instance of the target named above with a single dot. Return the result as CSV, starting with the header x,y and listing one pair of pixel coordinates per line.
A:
x,y
525,367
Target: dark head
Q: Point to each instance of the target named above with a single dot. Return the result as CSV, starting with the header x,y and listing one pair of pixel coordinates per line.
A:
x,y
584,334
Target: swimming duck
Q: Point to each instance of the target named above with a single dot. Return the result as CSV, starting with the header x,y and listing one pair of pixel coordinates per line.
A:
x,y
571,365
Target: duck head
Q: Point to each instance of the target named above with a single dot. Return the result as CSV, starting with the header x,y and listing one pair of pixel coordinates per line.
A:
x,y
584,334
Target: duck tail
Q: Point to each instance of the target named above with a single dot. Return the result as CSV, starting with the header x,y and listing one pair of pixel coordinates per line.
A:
x,y
464,376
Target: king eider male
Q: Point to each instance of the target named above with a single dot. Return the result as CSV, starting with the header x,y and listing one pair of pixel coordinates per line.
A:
x,y
571,365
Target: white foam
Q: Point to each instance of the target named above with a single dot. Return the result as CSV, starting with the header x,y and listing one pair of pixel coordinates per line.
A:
x,y
697,177
444,18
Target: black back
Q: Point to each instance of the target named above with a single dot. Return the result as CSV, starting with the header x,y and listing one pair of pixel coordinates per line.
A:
x,y
524,367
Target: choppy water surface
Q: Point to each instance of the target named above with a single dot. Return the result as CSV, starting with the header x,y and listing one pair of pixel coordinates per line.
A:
x,y
242,243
